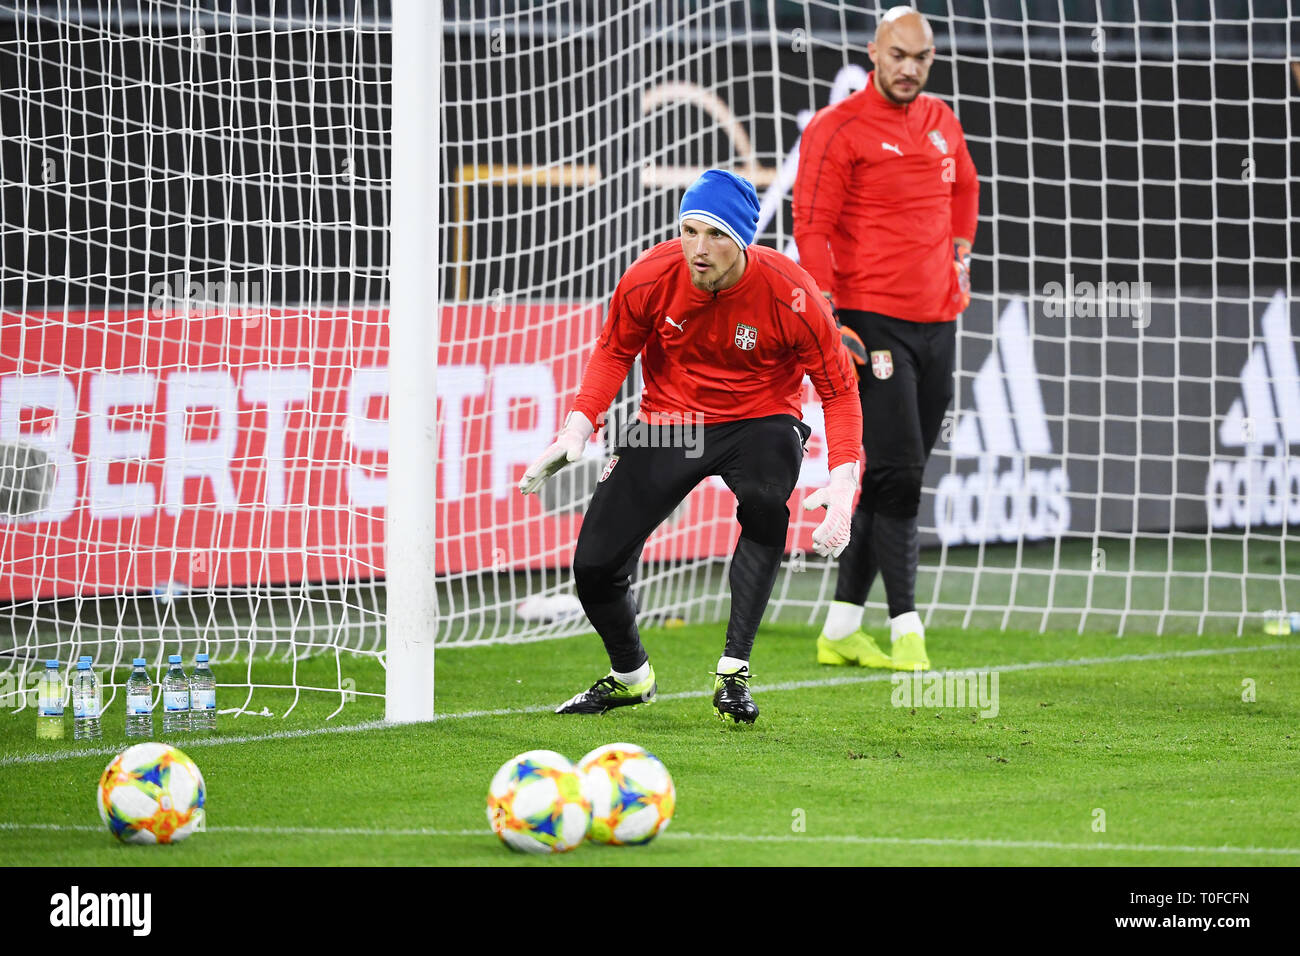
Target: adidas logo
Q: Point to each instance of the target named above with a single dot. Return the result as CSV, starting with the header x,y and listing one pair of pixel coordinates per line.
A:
x,y
997,501
1260,488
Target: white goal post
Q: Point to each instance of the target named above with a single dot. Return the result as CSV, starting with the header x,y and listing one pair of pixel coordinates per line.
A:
x,y
413,320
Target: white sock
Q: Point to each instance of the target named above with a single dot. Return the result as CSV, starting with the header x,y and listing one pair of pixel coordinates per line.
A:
x,y
634,677
729,665
842,620
906,623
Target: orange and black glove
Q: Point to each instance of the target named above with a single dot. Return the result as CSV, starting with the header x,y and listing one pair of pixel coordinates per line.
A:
x,y
849,339
961,262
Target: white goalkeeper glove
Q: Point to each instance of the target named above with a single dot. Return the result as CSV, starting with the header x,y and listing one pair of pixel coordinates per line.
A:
x,y
832,535
566,448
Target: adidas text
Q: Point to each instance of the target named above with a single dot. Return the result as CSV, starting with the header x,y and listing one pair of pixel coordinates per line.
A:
x,y
997,501
75,909
1262,487
1006,505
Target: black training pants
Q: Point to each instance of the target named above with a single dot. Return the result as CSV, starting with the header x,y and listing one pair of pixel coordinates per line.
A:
x,y
758,458
906,388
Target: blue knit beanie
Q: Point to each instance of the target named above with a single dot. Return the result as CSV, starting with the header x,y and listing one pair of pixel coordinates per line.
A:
x,y
724,200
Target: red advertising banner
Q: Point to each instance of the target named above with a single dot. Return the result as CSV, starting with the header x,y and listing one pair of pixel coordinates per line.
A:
x,y
214,449
204,448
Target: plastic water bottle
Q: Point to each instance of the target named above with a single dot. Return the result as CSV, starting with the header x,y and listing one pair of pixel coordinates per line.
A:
x,y
72,673
139,701
203,695
49,703
85,703
99,686
176,697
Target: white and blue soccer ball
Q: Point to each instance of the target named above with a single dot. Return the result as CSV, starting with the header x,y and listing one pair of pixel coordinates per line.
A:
x,y
631,794
535,803
151,793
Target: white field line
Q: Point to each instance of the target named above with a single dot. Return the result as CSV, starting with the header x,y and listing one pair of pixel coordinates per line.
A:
x,y
56,756
843,840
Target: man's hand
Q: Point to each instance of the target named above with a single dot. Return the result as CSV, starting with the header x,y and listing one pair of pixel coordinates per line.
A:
x,y
961,262
567,447
832,535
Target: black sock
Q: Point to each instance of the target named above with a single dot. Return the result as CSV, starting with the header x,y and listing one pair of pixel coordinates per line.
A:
x,y
897,550
754,568
615,622
857,571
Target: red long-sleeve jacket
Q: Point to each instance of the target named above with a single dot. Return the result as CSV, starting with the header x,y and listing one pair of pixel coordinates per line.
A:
x,y
739,353
881,193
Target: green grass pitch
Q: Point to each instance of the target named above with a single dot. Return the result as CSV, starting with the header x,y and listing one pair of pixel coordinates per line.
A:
x,y
1151,737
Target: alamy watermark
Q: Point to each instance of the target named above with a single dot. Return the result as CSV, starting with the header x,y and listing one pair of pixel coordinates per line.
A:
x,y
1098,300
128,910
948,689
188,297
666,430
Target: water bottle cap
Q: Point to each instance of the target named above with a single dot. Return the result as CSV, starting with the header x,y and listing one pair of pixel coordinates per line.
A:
x,y
85,657
83,665
173,658
137,662
200,658
54,664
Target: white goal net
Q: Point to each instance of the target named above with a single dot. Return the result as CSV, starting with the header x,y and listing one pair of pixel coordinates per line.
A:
x,y
193,338
1119,453
192,344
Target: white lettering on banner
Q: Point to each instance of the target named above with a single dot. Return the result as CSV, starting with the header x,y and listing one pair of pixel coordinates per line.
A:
x,y
1021,501
1262,488
276,389
200,458
520,446
455,384
367,490
1253,491
124,412
992,505
109,445
53,393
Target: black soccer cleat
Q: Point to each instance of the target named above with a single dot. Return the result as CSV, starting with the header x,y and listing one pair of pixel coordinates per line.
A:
x,y
731,700
610,692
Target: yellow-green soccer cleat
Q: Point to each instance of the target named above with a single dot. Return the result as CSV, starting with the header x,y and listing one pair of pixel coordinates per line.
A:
x,y
608,693
859,649
909,653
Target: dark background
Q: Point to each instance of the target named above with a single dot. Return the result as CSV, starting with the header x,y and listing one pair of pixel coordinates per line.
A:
x,y
219,145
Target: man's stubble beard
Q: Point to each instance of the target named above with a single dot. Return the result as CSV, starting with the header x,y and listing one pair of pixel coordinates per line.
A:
x,y
713,286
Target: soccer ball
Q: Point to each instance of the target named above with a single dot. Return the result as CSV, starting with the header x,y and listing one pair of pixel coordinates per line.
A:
x,y
151,793
631,793
535,803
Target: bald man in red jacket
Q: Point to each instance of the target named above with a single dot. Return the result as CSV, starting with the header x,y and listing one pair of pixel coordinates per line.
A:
x,y
885,208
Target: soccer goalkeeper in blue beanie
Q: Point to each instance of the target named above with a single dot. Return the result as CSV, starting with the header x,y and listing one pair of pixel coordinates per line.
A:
x,y
726,331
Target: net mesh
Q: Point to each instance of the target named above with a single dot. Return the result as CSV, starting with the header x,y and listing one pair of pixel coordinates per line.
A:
x,y
193,346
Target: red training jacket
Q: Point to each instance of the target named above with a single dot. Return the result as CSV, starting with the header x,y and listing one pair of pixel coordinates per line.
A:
x,y
881,193
739,353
